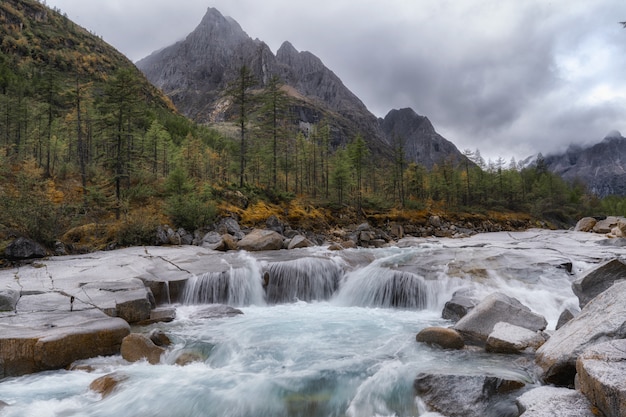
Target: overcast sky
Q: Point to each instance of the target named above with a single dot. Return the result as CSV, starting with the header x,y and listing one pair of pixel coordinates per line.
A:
x,y
507,77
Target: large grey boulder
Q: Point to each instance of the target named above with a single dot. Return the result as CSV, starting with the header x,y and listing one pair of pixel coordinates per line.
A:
x,y
478,324
52,340
547,401
508,338
603,319
468,395
602,376
260,240
23,248
598,280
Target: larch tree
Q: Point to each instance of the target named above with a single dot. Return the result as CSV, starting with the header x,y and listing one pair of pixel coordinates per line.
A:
x,y
240,92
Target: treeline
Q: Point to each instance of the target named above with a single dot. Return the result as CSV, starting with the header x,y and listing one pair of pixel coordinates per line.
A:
x,y
77,152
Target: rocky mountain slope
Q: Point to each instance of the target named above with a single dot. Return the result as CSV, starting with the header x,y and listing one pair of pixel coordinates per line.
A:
x,y
602,167
195,71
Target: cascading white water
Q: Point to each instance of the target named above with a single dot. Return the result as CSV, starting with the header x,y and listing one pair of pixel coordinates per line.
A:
x,y
235,286
334,358
306,279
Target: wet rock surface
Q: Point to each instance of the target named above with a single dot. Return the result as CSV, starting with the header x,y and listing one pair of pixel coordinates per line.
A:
x,y
547,401
468,395
598,280
478,324
602,319
34,342
600,376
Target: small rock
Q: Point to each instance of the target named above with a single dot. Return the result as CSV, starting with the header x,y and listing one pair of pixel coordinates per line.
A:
x,y
508,338
565,317
216,311
136,347
547,401
461,303
8,299
299,241
442,337
185,358
159,338
105,385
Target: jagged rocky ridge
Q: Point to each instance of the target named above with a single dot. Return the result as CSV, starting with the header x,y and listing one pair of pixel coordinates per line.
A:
x,y
195,71
602,167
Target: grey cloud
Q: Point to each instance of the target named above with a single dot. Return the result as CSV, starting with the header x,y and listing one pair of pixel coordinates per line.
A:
x,y
489,74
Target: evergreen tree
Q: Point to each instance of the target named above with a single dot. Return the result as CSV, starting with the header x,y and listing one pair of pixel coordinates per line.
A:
x,y
239,91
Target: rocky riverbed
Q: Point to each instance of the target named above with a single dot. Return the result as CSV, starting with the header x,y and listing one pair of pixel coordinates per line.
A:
x,y
59,310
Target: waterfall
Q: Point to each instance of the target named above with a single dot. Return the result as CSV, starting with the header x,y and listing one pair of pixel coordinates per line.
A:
x,y
236,286
306,279
383,287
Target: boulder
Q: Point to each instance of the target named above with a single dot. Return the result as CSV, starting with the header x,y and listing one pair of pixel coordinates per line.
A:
x,y
598,280
23,248
601,376
107,384
261,240
273,223
459,305
230,242
547,401
585,224
478,324
434,221
565,317
468,395
136,347
442,337
8,299
213,241
52,340
299,241
602,319
229,226
606,225
508,338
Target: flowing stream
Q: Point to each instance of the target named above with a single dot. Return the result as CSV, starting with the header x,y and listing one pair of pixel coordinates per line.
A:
x,y
321,334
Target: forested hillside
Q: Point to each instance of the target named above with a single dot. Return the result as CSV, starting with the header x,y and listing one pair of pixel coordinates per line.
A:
x,y
93,156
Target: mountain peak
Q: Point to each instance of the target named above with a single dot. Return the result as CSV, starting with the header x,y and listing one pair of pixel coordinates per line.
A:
x,y
613,134
215,26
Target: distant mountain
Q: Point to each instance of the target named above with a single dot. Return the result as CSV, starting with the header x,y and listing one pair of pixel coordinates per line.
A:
x,y
418,138
602,167
195,72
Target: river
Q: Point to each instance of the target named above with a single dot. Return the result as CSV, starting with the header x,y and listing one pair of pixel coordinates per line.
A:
x,y
331,334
